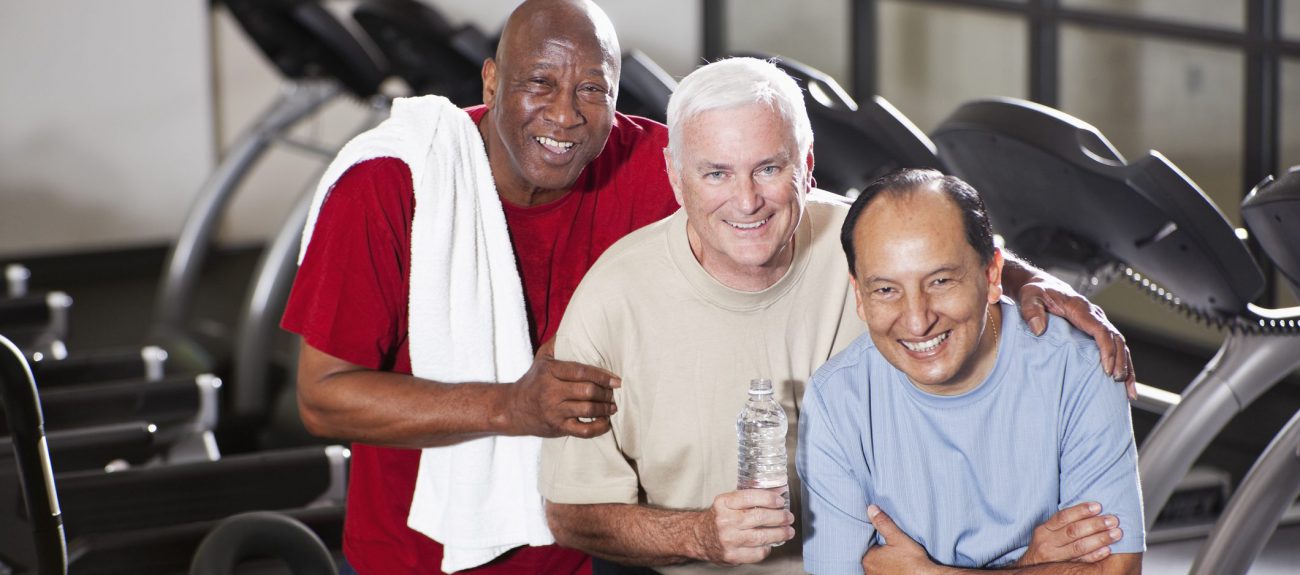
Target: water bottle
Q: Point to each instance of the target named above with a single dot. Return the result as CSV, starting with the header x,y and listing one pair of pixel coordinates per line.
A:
x,y
760,433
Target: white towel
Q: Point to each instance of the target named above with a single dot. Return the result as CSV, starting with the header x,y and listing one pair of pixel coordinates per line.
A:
x,y
467,324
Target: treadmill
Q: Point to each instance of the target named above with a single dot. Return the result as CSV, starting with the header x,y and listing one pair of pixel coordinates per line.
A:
x,y
1063,197
1265,496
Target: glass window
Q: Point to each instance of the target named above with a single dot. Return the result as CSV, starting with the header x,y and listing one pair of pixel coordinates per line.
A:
x,y
1289,111
1291,19
1216,13
814,33
1184,100
934,59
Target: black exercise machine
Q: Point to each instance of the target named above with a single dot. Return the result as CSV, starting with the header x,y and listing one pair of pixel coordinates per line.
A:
x,y
1061,196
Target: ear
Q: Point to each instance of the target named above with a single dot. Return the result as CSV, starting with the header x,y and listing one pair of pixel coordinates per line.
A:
x,y
674,177
857,296
489,74
994,274
808,182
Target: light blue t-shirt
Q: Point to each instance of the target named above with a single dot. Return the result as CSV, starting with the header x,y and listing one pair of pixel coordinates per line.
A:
x,y
967,476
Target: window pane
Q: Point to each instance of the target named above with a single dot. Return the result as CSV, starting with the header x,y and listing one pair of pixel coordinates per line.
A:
x,y
1291,19
1181,99
1217,13
1290,115
814,33
934,59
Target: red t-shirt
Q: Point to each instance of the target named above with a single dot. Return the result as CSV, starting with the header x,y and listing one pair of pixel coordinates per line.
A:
x,y
350,300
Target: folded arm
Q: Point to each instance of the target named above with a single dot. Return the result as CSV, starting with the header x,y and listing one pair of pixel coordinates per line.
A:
x,y
902,555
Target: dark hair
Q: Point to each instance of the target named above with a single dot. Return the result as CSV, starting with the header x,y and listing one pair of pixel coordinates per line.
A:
x,y
974,217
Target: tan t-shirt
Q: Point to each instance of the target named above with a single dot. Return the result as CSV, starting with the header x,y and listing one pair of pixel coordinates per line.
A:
x,y
686,347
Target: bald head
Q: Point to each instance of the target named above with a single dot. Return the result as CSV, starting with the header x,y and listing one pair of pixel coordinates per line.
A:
x,y
550,93
537,22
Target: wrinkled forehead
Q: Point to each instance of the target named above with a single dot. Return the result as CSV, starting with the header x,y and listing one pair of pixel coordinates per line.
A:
x,y
743,124
560,33
916,227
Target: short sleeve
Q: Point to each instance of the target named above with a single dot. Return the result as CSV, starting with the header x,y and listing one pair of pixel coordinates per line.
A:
x,y
349,298
837,532
586,471
1098,454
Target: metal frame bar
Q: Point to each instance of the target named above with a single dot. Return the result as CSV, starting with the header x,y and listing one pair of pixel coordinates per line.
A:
x,y
863,48
713,26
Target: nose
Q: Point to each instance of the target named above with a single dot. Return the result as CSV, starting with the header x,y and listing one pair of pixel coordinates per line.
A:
x,y
748,199
918,317
562,110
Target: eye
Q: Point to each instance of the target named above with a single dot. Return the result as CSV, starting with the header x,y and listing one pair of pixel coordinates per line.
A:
x,y
715,176
942,282
884,291
769,170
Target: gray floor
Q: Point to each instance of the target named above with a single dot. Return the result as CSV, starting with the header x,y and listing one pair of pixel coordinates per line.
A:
x,y
1280,557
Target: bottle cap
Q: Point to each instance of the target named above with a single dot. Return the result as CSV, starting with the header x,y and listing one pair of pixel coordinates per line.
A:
x,y
760,386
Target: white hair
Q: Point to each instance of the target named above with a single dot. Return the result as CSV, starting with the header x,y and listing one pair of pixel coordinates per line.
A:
x,y
735,82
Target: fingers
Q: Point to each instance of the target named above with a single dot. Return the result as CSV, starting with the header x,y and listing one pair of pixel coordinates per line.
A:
x,y
1033,310
585,429
573,371
882,522
1097,545
1095,556
743,499
1130,379
1063,518
547,349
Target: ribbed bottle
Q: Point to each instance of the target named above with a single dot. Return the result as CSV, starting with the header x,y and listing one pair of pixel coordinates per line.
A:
x,y
760,433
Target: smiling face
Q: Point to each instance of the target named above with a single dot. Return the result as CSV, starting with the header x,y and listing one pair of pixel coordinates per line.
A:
x,y
923,292
742,183
550,95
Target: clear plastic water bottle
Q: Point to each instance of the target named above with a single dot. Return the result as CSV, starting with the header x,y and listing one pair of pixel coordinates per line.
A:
x,y
760,433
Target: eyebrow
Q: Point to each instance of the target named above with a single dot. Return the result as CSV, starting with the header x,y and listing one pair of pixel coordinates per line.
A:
x,y
939,270
781,158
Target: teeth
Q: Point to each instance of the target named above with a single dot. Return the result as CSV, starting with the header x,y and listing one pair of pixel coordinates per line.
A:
x,y
926,345
752,226
543,140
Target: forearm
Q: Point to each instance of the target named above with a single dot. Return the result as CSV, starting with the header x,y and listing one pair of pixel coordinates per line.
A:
x,y
629,534
393,409
1121,564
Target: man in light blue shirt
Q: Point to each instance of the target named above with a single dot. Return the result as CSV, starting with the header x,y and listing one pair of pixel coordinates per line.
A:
x,y
950,414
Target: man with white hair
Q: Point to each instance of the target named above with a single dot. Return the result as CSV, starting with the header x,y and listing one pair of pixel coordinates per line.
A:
x,y
745,281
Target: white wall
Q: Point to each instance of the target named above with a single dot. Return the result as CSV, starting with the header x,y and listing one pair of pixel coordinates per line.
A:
x,y
246,84
113,113
105,122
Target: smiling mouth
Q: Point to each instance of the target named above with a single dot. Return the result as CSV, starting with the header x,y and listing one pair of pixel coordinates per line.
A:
x,y
748,226
555,146
927,345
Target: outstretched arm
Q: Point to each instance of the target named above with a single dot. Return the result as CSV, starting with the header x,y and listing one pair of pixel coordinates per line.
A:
x,y
341,400
1039,293
740,527
902,555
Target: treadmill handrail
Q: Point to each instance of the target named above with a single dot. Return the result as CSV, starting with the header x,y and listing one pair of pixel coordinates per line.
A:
x,y
35,475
